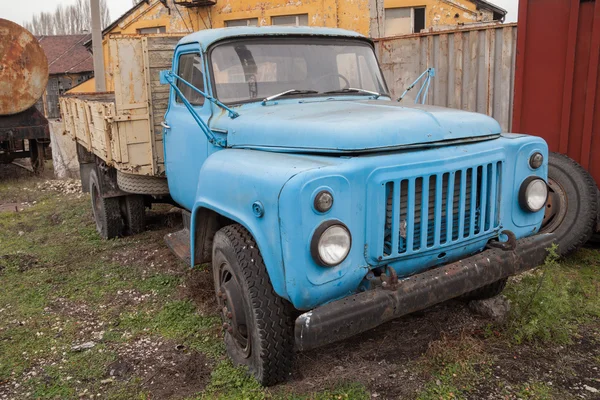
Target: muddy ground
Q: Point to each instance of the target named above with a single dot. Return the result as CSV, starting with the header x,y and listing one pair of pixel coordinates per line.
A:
x,y
124,319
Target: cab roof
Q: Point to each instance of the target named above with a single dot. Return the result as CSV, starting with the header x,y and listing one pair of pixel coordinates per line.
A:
x,y
209,36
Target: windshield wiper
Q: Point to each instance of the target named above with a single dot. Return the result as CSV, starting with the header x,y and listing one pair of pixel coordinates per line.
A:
x,y
354,90
288,93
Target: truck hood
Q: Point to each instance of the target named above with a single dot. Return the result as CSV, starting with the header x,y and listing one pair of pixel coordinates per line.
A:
x,y
339,126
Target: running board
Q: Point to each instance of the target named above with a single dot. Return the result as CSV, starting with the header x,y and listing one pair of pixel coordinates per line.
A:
x,y
179,242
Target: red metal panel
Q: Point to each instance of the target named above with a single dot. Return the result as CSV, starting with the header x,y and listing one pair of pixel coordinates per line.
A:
x,y
556,84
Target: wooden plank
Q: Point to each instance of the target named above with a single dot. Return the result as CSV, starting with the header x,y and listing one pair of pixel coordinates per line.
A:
x,y
149,104
471,75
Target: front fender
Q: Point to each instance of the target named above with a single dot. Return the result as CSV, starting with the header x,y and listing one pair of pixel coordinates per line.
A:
x,y
232,181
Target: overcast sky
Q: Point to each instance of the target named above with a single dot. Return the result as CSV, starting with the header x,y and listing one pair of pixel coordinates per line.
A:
x,y
21,11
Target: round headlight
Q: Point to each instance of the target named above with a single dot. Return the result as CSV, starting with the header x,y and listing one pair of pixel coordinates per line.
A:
x,y
533,194
536,160
331,244
323,201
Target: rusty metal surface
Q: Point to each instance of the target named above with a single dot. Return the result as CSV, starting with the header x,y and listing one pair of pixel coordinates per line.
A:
x,y
557,90
475,67
23,69
347,317
29,124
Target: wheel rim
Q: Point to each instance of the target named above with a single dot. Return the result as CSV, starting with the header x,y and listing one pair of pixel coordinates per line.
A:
x,y
97,207
233,310
556,207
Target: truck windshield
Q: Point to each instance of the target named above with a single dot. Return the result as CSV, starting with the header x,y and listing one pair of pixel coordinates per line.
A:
x,y
254,69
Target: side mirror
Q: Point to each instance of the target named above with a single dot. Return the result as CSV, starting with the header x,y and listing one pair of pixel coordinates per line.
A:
x,y
163,77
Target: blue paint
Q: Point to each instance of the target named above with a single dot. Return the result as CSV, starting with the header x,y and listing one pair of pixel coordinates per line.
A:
x,y
385,164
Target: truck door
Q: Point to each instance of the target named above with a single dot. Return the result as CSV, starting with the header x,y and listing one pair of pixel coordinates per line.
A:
x,y
185,144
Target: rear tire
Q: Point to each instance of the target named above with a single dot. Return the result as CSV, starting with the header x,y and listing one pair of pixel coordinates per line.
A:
x,y
259,325
107,211
487,291
135,214
572,205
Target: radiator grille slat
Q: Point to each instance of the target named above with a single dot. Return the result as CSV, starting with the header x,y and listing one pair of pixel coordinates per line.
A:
x,y
449,207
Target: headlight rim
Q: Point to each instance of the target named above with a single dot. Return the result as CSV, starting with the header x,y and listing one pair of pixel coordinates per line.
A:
x,y
523,193
316,197
316,237
530,161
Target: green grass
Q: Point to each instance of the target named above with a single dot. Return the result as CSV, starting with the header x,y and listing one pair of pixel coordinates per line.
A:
x,y
57,275
454,367
551,302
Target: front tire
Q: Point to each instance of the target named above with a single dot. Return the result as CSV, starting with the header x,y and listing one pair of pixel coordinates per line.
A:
x,y
572,204
258,324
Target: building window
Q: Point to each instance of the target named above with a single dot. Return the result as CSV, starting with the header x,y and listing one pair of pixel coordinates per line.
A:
x,y
242,22
404,21
290,20
190,68
154,29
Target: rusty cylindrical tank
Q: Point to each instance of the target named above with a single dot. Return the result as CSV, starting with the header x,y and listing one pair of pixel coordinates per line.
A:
x,y
23,69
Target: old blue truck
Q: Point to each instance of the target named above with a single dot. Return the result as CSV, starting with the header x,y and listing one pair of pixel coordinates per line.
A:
x,y
325,206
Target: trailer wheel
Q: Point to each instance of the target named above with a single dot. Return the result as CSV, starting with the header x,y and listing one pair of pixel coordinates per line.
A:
x,y
107,211
572,204
135,214
486,292
258,324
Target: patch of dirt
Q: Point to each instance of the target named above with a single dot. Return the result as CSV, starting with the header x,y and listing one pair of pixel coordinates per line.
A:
x,y
167,370
199,287
24,262
389,360
13,207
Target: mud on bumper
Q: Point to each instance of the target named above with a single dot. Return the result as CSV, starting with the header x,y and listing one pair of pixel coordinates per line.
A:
x,y
358,313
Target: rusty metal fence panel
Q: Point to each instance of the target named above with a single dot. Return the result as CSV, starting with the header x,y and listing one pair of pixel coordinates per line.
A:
x,y
475,68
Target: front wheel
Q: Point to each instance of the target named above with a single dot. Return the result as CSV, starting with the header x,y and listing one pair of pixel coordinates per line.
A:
x,y
572,204
258,324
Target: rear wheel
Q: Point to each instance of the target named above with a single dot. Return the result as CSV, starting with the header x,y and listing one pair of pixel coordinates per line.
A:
x,y
107,211
258,324
135,213
572,204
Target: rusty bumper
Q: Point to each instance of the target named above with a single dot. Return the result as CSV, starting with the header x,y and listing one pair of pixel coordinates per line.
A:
x,y
358,313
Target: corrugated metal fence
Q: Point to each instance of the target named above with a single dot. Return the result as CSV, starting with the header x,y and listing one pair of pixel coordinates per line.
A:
x,y
475,68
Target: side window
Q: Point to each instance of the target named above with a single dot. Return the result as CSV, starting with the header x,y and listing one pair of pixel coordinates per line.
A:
x,y
190,68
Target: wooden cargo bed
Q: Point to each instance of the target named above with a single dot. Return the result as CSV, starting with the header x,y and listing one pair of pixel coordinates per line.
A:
x,y
123,127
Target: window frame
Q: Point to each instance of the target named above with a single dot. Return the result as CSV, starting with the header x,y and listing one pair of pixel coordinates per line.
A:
x,y
158,28
297,16
297,38
412,19
241,19
195,52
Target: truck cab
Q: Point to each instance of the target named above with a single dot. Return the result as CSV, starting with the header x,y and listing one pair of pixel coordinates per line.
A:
x,y
326,207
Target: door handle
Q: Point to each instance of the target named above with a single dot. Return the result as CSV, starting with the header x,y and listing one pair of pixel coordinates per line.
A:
x,y
164,125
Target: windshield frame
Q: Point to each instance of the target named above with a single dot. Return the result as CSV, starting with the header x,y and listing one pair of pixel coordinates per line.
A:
x,y
360,41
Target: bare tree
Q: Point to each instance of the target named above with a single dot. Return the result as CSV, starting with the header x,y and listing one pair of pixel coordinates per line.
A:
x,y
67,20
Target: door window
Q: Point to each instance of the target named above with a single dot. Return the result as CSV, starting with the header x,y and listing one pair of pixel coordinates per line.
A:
x,y
190,69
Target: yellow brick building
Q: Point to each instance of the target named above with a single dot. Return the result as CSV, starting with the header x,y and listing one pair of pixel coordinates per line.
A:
x,y
374,18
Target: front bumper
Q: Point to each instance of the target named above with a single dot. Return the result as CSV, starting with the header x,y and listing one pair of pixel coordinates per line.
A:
x,y
358,313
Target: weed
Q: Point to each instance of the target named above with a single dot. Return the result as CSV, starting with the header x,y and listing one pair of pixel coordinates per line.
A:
x,y
549,302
